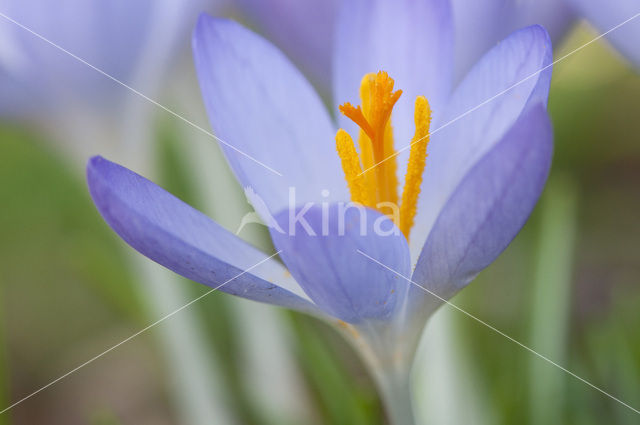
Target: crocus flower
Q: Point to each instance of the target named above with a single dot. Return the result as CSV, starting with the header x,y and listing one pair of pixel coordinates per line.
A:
x,y
424,218
42,83
304,29
108,35
479,25
113,36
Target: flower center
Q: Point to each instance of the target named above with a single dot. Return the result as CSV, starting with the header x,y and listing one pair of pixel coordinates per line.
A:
x,y
377,186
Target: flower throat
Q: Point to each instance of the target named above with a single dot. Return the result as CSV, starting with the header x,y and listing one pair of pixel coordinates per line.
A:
x,y
377,186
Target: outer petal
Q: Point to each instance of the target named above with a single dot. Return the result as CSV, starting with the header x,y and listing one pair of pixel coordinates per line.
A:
x,y
323,256
259,103
302,29
171,233
479,25
606,15
487,209
482,109
411,40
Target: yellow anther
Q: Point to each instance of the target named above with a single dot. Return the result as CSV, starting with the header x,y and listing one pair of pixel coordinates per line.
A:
x,y
415,167
351,167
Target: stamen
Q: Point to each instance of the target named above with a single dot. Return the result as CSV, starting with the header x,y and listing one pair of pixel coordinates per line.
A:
x,y
415,167
378,186
351,167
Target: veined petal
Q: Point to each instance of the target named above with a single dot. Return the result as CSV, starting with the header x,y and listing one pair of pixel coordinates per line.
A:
x,y
606,15
171,233
512,75
260,104
302,29
487,209
411,40
320,248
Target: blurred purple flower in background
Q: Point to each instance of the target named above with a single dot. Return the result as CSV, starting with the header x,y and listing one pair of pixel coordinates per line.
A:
x,y
606,15
113,36
304,29
108,35
136,43
485,170
481,24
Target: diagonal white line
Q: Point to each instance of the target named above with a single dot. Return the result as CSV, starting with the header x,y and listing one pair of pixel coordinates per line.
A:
x,y
531,350
114,79
447,124
162,319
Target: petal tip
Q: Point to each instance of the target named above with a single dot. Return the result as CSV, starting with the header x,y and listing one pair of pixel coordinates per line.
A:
x,y
93,163
544,34
207,24
95,160
539,33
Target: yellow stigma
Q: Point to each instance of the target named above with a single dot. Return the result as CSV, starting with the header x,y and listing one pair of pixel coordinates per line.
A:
x,y
377,187
376,135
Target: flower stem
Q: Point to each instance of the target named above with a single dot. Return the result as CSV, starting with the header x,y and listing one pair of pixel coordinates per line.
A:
x,y
396,397
389,359
389,363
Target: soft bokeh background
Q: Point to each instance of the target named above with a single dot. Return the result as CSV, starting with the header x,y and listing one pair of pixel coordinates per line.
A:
x,y
567,287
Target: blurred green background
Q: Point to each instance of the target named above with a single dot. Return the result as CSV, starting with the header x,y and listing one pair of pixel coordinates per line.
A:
x,y
567,287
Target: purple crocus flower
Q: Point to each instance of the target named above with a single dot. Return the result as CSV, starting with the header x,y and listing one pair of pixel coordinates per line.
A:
x,y
115,36
480,24
41,81
488,141
304,29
